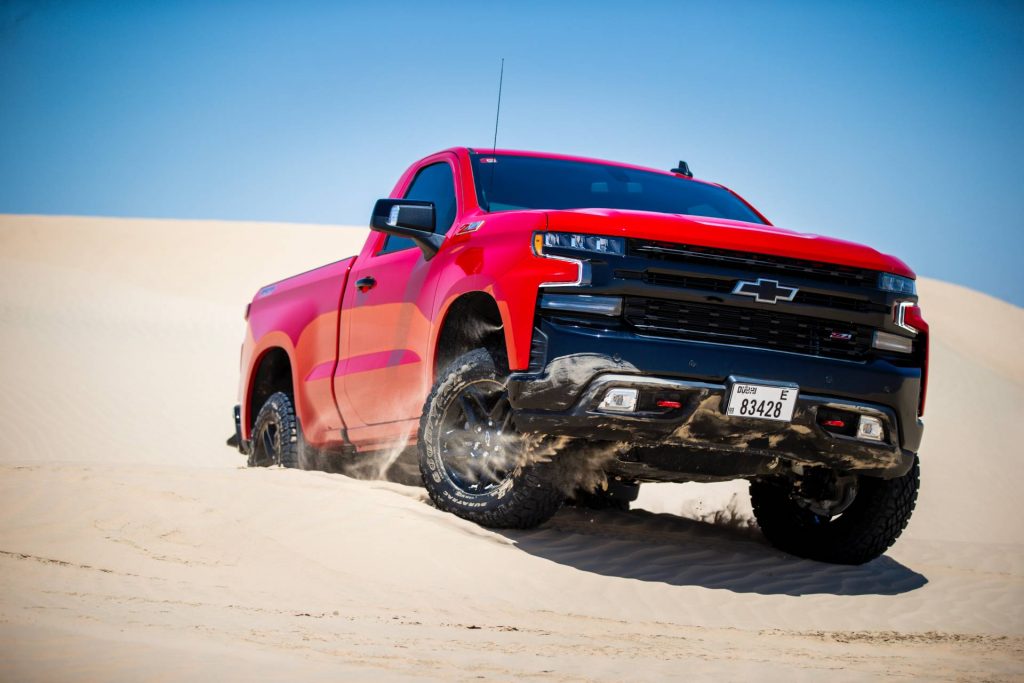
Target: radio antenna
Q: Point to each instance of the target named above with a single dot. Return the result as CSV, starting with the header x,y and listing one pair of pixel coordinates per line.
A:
x,y
494,145
497,114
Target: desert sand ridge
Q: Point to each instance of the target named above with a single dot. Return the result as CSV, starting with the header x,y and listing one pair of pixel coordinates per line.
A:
x,y
135,546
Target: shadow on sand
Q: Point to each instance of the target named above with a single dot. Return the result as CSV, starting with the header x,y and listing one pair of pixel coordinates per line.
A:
x,y
678,551
683,552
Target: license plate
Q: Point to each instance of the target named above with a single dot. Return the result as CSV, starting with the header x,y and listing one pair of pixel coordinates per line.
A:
x,y
762,401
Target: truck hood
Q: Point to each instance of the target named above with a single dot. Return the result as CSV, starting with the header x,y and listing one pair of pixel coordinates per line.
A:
x,y
725,234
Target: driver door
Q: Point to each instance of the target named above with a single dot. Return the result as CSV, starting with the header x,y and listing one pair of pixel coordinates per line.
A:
x,y
385,335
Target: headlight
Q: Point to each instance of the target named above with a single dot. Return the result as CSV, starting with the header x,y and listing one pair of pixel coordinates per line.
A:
x,y
887,282
598,244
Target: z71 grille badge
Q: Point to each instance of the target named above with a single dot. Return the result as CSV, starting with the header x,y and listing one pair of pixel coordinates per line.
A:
x,y
765,291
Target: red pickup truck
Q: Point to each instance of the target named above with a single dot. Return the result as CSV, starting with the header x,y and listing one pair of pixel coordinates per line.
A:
x,y
542,326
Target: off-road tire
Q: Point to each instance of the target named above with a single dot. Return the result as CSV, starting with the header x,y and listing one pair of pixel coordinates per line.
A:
x,y
276,435
527,498
866,529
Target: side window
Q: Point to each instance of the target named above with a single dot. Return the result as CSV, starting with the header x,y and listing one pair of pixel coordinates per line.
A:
x,y
433,183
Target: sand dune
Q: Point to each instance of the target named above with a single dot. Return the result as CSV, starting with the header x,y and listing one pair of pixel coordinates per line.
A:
x,y
135,546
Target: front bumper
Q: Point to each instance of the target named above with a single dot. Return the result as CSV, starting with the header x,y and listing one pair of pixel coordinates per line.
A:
x,y
563,398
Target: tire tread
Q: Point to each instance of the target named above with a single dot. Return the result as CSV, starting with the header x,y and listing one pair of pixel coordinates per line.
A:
x,y
871,525
278,407
532,500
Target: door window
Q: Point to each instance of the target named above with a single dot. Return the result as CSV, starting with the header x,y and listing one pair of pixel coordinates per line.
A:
x,y
434,183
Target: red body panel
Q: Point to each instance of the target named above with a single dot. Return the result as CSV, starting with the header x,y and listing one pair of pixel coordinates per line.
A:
x,y
384,337
300,316
363,362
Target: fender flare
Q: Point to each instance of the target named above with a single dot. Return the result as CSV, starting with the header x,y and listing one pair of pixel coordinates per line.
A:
x,y
269,342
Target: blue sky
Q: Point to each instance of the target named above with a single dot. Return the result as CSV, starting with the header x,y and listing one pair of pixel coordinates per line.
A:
x,y
900,125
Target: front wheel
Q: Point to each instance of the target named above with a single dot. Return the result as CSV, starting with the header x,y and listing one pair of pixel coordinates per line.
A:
x,y
840,519
473,462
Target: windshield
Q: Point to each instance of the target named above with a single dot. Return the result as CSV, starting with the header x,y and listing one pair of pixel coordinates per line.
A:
x,y
509,182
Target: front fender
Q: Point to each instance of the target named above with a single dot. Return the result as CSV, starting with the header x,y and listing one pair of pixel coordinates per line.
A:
x,y
498,260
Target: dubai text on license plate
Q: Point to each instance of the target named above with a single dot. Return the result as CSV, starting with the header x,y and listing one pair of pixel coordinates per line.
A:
x,y
762,401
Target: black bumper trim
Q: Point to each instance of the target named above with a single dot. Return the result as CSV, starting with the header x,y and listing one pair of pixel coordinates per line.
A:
x,y
563,398
701,423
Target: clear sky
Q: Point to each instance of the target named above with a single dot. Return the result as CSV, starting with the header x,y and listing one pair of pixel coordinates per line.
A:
x,y
900,125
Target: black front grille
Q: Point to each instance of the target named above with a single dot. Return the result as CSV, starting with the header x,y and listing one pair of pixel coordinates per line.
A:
x,y
705,284
748,327
762,264
841,302
726,286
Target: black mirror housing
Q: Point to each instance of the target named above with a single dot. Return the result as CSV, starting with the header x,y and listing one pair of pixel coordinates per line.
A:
x,y
408,218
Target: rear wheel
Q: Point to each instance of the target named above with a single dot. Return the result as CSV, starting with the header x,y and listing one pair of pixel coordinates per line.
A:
x,y
473,462
841,519
276,435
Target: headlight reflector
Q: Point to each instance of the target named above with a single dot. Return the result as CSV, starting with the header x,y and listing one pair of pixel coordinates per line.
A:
x,y
887,282
598,244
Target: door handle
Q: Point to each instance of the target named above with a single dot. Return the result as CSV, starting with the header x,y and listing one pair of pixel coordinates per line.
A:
x,y
365,284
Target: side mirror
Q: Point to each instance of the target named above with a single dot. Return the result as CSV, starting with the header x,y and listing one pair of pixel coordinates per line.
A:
x,y
410,219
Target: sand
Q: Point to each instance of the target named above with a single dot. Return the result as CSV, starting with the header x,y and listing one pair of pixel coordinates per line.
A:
x,y
135,546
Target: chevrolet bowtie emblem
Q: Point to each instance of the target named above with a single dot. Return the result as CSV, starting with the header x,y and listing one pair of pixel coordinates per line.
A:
x,y
765,291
